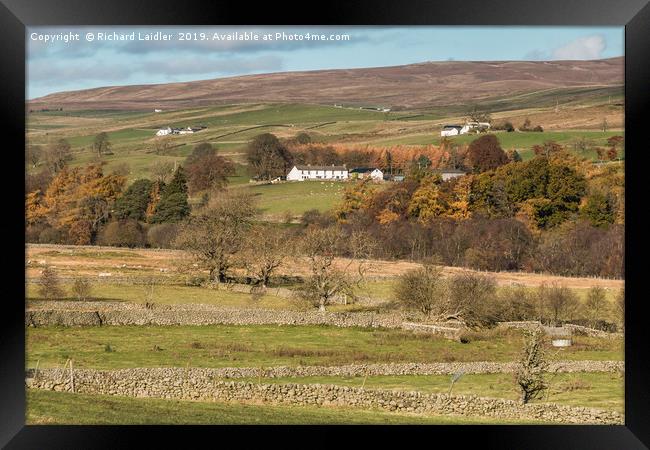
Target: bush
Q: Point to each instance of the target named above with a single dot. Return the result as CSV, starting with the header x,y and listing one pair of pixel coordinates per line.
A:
x,y
471,298
126,233
50,284
162,235
422,289
51,235
81,288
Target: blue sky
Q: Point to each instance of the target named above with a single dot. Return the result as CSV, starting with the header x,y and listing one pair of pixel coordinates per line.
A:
x,y
64,66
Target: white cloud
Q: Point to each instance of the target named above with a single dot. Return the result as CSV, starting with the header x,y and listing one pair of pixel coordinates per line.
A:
x,y
589,47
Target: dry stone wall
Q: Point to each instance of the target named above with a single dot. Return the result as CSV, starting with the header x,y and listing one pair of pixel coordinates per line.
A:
x,y
197,384
116,313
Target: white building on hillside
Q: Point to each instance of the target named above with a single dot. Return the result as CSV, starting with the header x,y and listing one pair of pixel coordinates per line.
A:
x,y
164,131
301,173
367,172
454,130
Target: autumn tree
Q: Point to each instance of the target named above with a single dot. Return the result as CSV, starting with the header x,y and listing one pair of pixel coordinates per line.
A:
x,y
80,200
173,205
356,196
268,157
101,144
427,201
215,234
547,149
209,171
485,153
265,249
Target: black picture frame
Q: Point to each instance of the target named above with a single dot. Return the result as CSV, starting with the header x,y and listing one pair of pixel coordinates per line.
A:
x,y
15,15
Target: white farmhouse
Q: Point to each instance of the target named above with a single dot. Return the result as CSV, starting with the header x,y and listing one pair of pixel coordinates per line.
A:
x,y
187,130
454,130
367,172
451,130
164,131
301,173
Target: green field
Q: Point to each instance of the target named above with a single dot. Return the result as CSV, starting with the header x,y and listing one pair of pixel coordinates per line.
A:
x,y
273,345
296,197
48,408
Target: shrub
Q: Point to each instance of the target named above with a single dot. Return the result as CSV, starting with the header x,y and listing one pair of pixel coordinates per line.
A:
x,y
162,235
81,288
471,298
126,233
51,235
50,284
422,289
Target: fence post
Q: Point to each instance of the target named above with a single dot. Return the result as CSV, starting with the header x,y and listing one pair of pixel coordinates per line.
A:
x,y
71,376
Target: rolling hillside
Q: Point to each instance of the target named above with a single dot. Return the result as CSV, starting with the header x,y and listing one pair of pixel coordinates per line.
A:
x,y
504,84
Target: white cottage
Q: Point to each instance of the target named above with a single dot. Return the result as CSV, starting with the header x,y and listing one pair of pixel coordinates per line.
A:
x,y
367,172
164,131
301,173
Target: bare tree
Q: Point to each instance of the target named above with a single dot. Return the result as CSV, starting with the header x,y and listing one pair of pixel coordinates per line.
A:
x,y
326,281
530,373
81,288
162,170
423,289
215,234
265,250
559,301
471,299
595,304
57,155
50,284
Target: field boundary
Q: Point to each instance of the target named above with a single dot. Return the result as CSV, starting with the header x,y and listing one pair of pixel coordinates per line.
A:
x,y
189,384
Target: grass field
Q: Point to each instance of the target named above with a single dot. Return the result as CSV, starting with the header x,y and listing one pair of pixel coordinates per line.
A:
x,y
296,198
114,347
48,408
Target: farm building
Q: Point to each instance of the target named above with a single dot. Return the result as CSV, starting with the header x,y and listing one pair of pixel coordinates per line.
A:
x,y
301,173
164,131
451,130
367,172
448,174
454,130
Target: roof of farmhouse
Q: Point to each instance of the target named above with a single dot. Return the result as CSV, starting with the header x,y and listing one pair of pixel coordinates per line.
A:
x,y
363,169
332,167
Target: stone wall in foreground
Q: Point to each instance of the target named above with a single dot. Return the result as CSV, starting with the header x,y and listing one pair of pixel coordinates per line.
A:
x,y
197,384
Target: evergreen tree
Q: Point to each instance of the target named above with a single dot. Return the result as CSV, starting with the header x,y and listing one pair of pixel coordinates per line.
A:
x,y
173,206
133,204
